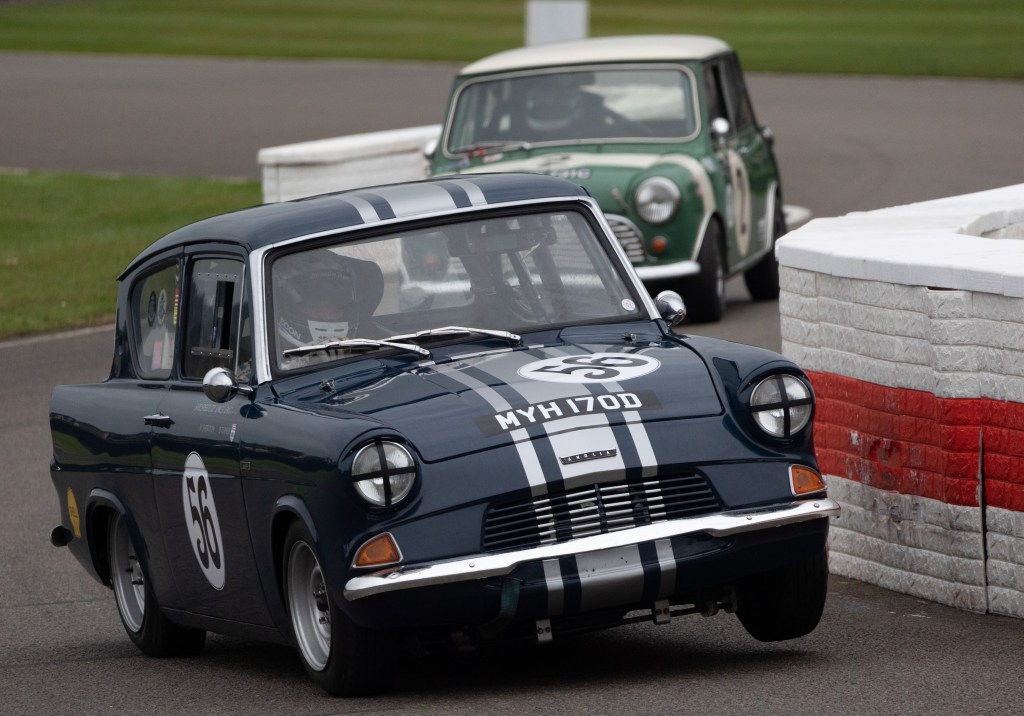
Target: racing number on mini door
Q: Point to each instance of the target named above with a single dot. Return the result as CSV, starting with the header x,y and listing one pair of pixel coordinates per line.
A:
x,y
201,519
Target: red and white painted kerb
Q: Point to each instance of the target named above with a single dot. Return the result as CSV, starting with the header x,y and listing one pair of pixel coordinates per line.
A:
x,y
910,322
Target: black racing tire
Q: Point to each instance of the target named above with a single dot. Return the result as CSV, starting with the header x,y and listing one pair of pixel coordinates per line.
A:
x,y
787,602
152,632
763,279
704,294
341,657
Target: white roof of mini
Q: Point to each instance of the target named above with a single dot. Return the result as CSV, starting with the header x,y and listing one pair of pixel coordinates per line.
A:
x,y
643,48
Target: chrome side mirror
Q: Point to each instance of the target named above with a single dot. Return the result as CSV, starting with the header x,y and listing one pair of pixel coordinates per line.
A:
x,y
719,131
671,307
767,135
430,148
220,386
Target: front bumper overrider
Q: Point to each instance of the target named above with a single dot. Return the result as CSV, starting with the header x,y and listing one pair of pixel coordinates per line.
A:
x,y
483,566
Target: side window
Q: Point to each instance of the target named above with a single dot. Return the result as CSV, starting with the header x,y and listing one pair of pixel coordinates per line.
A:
x,y
213,327
727,94
713,93
739,103
154,309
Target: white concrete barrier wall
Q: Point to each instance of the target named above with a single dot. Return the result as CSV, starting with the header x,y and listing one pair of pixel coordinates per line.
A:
x,y
294,171
910,321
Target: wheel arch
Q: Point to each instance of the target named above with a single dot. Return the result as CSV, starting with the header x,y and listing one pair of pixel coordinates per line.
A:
x,y
287,510
102,507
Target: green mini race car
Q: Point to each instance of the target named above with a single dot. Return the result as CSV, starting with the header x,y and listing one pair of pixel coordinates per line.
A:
x,y
659,129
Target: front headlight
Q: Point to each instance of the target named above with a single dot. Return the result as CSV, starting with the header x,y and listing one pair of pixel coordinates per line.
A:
x,y
383,473
657,200
782,405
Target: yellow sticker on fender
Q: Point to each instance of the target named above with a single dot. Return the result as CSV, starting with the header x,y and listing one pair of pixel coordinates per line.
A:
x,y
76,523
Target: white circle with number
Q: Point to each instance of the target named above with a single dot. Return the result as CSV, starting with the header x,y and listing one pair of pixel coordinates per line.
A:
x,y
201,519
590,368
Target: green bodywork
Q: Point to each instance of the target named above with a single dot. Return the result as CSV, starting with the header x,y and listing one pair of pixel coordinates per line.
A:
x,y
611,170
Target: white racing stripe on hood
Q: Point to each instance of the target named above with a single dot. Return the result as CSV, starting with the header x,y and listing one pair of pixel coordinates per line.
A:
x,y
555,163
524,446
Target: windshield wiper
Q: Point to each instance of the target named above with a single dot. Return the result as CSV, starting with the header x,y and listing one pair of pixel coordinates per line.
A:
x,y
357,344
486,147
512,338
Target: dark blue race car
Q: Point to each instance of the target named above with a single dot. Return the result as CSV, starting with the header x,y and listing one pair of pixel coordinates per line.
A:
x,y
445,412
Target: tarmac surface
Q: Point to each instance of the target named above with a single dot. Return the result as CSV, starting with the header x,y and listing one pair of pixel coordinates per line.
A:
x,y
844,143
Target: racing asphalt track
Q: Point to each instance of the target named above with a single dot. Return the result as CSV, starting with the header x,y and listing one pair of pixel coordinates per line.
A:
x,y
844,143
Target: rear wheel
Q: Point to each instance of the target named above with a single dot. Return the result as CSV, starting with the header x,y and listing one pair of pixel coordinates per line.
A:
x,y
146,625
343,658
704,293
763,279
787,602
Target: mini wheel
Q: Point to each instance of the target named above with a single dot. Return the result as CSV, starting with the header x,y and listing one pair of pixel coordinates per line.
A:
x,y
146,625
763,279
704,293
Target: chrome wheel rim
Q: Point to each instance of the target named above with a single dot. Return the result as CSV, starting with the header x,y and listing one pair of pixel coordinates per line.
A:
x,y
126,576
309,605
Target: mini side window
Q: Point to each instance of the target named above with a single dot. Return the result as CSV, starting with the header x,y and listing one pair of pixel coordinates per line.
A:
x,y
213,325
154,304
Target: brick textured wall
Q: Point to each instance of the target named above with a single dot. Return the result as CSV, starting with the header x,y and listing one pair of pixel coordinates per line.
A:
x,y
913,336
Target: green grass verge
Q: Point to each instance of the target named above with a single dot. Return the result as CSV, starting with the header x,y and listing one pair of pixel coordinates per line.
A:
x,y
979,38
64,238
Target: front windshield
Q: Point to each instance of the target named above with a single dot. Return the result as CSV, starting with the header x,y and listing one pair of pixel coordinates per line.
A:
x,y
614,104
513,273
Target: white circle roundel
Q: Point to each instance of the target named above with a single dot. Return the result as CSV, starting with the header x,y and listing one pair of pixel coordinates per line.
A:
x,y
201,519
590,368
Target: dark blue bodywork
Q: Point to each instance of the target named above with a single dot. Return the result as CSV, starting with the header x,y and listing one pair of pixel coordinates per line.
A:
x,y
282,451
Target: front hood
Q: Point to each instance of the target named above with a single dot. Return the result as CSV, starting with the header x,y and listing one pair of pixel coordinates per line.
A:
x,y
579,396
607,175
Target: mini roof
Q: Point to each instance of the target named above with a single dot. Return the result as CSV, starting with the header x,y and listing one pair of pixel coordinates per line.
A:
x,y
267,224
643,48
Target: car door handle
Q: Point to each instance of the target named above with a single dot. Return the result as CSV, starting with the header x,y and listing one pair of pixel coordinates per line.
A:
x,y
158,420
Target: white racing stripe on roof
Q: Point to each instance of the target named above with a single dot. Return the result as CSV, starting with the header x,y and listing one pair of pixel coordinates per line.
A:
x,y
417,199
365,209
476,196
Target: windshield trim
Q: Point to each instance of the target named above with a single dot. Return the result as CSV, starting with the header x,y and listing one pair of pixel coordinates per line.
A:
x,y
472,80
259,261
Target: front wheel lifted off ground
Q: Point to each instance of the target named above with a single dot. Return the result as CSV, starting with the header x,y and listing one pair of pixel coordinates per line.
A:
x,y
343,658
787,602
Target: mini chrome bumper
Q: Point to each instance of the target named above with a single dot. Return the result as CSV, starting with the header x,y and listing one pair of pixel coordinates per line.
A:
x,y
676,269
495,565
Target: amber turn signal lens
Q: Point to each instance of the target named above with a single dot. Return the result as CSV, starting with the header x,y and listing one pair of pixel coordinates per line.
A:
x,y
659,244
804,480
378,551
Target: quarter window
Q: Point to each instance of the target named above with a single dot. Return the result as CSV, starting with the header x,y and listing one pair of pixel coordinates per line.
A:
x,y
154,304
213,326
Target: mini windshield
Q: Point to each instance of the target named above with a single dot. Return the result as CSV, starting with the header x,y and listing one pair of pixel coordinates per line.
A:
x,y
613,104
502,274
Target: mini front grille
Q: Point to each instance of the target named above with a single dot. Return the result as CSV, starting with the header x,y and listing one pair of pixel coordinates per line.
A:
x,y
597,509
630,238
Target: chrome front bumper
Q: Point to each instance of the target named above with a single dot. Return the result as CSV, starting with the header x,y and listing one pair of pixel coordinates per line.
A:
x,y
495,565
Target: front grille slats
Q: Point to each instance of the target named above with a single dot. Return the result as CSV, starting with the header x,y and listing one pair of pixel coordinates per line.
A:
x,y
597,509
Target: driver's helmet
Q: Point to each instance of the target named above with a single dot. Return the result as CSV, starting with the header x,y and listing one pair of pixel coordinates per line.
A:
x,y
553,103
314,298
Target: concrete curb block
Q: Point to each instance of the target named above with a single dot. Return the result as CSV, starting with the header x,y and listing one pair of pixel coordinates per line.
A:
x,y
910,321
294,171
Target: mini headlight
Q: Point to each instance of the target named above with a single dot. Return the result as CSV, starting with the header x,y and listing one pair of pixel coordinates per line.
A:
x,y
383,473
781,405
657,200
